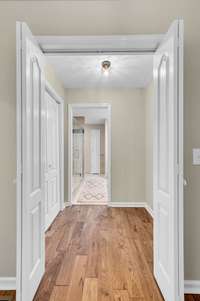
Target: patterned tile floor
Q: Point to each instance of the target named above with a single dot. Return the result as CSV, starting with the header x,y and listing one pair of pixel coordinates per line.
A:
x,y
93,190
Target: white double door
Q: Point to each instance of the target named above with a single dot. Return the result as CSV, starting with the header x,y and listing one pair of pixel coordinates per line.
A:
x,y
37,172
52,178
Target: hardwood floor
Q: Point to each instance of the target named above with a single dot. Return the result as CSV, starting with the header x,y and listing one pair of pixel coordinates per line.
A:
x,y
10,294
96,253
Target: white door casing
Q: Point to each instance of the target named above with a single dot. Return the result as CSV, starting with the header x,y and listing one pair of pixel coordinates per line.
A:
x,y
33,87
52,166
168,164
95,151
24,285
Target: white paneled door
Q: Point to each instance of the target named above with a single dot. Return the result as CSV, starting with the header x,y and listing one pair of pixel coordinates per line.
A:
x,y
95,151
33,87
168,164
52,170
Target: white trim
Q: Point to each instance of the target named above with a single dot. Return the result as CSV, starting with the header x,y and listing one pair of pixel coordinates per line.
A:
x,y
91,204
66,204
133,205
70,114
192,287
99,44
70,151
181,157
19,161
150,210
7,283
50,90
128,204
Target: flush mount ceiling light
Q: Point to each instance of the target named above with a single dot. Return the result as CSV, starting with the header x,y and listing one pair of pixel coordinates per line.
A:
x,y
106,67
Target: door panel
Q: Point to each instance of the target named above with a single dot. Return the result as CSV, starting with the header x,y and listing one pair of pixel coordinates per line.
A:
x,y
52,174
33,165
163,124
35,122
166,160
95,151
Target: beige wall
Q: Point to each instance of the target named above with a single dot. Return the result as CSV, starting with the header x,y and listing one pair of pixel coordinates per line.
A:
x,y
106,17
148,94
87,146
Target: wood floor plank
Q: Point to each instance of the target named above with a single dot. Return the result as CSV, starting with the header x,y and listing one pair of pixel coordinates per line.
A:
x,y
49,280
104,279
121,295
78,276
92,263
59,293
90,289
65,272
72,249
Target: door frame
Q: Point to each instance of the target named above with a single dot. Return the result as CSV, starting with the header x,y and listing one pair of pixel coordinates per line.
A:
x,y
70,145
54,45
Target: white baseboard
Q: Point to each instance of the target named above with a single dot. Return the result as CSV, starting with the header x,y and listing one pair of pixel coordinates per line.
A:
x,y
7,283
90,204
150,210
118,204
133,205
127,204
192,287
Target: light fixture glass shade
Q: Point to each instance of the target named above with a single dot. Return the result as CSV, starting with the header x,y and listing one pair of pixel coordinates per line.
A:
x,y
106,67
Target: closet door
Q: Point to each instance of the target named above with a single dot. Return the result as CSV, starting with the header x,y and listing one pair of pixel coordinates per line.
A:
x,y
52,181
32,232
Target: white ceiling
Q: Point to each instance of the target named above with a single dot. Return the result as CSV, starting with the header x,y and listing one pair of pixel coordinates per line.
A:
x,y
92,115
84,71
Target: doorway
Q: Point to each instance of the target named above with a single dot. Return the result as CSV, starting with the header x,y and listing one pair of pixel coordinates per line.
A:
x,y
89,148
168,266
